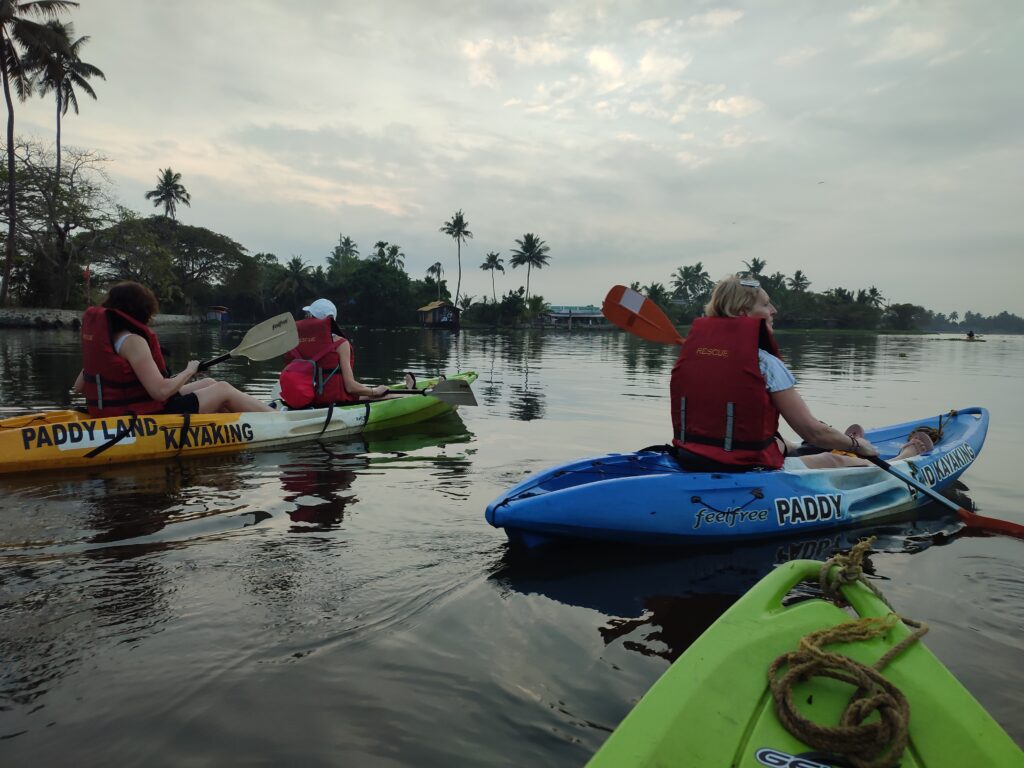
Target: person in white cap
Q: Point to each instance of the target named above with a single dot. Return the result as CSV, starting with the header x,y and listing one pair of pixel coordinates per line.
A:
x,y
322,308
325,349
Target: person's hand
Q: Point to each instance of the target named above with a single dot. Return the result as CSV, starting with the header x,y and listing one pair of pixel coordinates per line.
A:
x,y
863,447
380,390
192,368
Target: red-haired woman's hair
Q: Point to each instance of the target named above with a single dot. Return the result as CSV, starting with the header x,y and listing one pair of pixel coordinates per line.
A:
x,y
134,299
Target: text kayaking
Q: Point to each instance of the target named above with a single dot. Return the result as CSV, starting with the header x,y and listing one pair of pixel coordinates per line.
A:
x,y
952,462
86,434
808,509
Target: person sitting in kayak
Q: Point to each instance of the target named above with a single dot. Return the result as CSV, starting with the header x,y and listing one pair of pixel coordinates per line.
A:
x,y
123,369
729,387
320,368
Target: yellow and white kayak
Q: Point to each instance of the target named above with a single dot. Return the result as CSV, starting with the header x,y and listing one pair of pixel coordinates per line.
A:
x,y
53,440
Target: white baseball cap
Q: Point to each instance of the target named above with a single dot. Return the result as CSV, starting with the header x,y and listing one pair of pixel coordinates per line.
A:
x,y
322,308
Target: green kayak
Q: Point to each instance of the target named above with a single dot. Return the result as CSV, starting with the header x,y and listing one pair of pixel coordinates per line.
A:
x,y
714,708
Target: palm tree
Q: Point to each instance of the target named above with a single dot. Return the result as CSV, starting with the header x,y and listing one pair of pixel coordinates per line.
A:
x,y
493,262
875,297
342,255
169,192
691,284
18,32
296,280
533,252
657,293
458,228
435,270
798,282
60,70
394,257
466,302
755,266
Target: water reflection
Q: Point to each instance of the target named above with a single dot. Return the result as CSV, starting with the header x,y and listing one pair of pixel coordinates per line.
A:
x,y
658,601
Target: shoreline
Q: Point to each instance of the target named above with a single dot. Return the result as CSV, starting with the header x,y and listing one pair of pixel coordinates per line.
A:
x,y
69,319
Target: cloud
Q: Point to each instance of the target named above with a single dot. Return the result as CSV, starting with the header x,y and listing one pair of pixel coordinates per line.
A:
x,y
481,71
869,13
715,20
736,106
906,42
534,51
797,56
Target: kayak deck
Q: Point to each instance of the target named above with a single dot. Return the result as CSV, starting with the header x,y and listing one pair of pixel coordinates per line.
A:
x,y
68,439
713,706
645,497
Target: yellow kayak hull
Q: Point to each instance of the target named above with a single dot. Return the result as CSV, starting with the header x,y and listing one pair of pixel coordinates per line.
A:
x,y
54,440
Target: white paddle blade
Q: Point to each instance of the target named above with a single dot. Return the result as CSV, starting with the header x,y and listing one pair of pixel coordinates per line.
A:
x,y
271,338
453,391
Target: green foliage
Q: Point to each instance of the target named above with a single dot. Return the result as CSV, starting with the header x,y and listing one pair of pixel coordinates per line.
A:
x,y
532,252
457,228
169,192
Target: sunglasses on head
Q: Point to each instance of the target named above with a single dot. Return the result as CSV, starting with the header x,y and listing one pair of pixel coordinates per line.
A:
x,y
748,282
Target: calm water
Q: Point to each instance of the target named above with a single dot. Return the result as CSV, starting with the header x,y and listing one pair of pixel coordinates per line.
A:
x,y
346,603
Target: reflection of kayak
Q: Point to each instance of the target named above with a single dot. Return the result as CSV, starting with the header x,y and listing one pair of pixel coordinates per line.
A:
x,y
63,439
647,497
713,707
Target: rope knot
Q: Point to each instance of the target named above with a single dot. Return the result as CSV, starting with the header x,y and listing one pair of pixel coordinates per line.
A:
x,y
876,744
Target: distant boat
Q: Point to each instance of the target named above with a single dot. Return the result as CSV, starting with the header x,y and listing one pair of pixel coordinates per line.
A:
x,y
216,315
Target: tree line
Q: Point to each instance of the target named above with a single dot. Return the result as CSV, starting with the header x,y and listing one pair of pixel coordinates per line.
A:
x,y
689,289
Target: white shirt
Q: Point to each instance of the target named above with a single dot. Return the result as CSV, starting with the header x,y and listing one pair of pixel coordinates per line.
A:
x,y
777,376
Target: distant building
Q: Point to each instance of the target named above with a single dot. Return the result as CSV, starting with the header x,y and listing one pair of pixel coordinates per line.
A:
x,y
216,314
439,314
566,316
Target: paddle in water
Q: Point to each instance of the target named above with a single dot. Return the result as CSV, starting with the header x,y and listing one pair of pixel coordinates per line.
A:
x,y
451,391
970,519
271,338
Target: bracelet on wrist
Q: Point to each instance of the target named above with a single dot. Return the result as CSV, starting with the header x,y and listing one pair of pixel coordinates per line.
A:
x,y
854,444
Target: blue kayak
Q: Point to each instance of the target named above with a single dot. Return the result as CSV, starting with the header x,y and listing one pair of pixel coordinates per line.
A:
x,y
646,497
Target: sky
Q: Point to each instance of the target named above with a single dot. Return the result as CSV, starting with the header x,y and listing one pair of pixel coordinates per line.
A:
x,y
864,144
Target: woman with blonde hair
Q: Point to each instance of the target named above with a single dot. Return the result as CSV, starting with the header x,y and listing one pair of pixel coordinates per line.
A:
x,y
730,387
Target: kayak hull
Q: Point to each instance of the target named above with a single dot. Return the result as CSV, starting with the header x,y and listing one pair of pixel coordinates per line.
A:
x,y
70,439
645,497
713,705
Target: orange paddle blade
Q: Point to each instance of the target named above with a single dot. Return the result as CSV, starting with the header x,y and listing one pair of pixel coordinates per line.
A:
x,y
635,313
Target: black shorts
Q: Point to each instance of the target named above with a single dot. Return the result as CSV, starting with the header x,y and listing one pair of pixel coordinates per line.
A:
x,y
179,403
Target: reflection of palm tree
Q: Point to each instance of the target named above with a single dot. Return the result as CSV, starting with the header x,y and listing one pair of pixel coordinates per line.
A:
x,y
18,32
458,229
169,192
435,270
798,282
60,71
533,252
493,262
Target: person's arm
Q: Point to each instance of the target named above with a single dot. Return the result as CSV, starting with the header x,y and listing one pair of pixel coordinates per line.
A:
x,y
352,386
135,350
79,385
796,413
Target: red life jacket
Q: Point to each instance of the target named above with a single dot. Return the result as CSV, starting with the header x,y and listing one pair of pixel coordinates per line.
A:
x,y
111,386
313,375
721,409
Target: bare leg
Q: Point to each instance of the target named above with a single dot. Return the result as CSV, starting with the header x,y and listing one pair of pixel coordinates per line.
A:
x,y
192,386
221,396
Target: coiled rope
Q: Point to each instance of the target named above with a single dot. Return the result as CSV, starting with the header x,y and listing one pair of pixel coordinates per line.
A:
x,y
876,744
